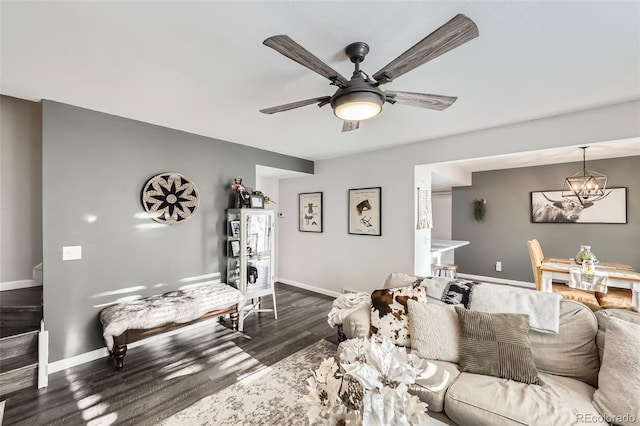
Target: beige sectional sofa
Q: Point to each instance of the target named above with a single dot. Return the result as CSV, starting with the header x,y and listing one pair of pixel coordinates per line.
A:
x,y
568,365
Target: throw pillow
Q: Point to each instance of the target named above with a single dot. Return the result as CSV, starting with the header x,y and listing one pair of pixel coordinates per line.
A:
x,y
496,345
617,397
435,331
400,279
389,312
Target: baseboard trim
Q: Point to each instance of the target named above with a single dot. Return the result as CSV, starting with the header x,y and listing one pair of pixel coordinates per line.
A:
x,y
14,285
309,287
73,361
494,280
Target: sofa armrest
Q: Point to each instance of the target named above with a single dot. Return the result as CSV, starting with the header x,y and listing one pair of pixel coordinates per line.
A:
x,y
357,324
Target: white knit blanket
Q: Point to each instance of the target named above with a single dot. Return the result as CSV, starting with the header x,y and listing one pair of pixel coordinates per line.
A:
x,y
346,304
175,306
543,308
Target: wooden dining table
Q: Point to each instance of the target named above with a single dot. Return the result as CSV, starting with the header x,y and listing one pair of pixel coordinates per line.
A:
x,y
619,275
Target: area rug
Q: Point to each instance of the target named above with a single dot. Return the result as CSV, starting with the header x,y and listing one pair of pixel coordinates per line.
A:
x,y
272,396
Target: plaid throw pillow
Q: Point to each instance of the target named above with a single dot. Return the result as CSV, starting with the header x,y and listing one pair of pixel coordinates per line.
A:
x,y
496,345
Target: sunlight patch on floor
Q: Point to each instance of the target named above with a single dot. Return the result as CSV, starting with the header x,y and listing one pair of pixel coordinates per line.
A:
x,y
192,369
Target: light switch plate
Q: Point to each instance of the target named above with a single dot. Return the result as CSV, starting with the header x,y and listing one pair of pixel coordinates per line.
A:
x,y
71,252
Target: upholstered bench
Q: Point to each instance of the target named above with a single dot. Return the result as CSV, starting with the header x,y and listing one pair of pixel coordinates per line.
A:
x,y
126,323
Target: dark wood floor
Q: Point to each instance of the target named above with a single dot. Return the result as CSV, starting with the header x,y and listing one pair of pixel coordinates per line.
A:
x,y
165,376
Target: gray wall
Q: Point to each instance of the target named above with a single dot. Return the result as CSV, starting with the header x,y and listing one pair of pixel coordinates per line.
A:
x,y
94,166
20,188
507,226
334,259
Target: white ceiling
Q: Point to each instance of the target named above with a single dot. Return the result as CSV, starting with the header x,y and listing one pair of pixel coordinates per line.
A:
x,y
201,66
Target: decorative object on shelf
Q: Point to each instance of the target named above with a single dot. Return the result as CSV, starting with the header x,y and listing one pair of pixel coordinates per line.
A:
x,y
235,248
425,212
585,186
310,212
550,207
267,199
235,228
479,209
170,198
365,211
373,390
256,201
239,191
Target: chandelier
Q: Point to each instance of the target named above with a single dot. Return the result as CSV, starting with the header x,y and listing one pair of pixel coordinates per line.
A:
x,y
585,186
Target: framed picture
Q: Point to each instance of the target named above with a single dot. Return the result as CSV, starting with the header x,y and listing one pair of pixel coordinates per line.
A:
x,y
256,201
235,248
235,228
365,211
310,212
551,207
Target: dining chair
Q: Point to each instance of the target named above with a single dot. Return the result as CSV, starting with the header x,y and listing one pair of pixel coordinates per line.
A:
x,y
536,254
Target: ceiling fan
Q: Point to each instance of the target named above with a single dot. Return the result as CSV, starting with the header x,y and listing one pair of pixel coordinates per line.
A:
x,y
360,97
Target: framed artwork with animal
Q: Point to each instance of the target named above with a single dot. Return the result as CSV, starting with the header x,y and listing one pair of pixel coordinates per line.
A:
x,y
310,212
365,211
551,207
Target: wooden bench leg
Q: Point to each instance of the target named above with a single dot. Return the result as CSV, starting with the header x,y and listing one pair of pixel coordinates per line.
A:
x,y
118,353
234,320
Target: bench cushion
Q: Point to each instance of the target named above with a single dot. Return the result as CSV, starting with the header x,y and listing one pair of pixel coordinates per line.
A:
x,y
175,306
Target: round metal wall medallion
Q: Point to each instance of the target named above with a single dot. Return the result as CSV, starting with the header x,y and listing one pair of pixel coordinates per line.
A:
x,y
170,198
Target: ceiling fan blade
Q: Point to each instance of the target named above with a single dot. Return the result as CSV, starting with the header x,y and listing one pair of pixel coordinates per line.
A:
x,y
348,126
454,33
422,100
292,50
286,107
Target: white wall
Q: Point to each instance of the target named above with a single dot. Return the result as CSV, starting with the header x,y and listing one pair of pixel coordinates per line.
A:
x,y
20,190
441,203
334,259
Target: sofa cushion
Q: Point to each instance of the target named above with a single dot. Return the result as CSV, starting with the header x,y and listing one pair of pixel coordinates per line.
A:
x,y
475,399
572,351
435,331
390,314
496,345
603,317
618,397
432,386
357,323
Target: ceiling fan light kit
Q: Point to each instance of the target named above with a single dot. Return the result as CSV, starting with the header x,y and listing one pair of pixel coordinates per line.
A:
x,y
361,98
358,101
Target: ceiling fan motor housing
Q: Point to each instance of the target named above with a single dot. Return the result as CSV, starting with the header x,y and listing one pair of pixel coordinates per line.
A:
x,y
357,51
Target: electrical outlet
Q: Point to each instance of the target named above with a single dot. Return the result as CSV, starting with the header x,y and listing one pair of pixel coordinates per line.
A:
x,y
499,266
71,252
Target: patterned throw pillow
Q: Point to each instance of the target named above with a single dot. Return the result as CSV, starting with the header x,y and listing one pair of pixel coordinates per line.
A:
x,y
390,313
496,345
